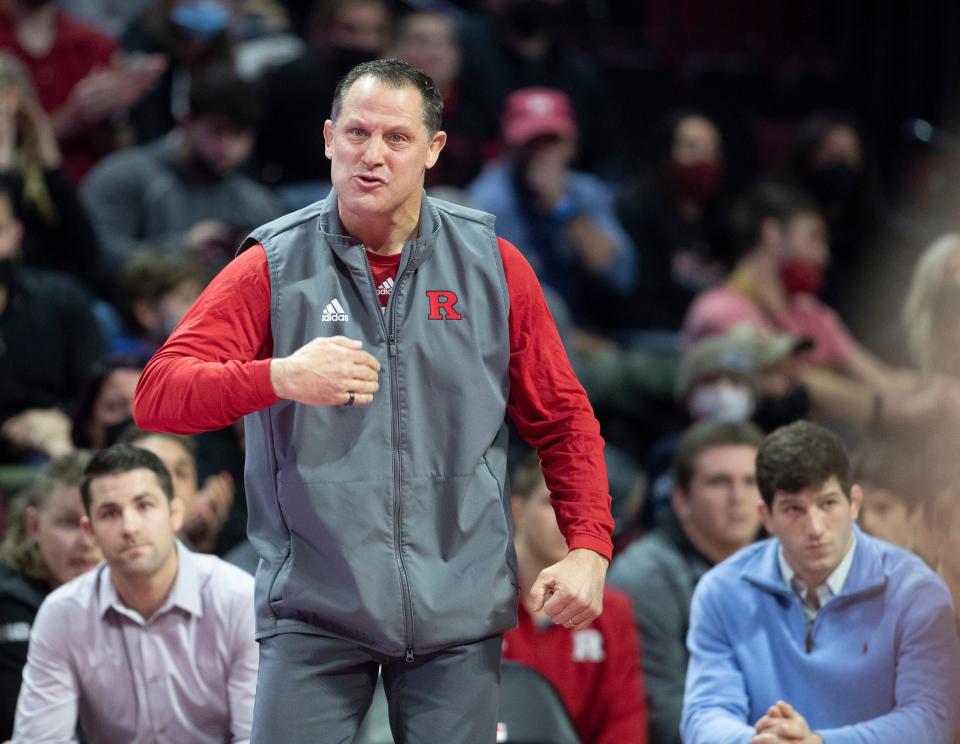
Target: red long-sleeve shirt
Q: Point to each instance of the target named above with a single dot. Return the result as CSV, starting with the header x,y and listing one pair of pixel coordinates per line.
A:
x,y
215,368
596,670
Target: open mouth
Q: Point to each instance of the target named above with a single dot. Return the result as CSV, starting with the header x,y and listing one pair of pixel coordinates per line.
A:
x,y
368,180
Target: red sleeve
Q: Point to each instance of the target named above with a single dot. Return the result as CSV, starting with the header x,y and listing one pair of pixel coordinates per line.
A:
x,y
623,713
552,413
215,367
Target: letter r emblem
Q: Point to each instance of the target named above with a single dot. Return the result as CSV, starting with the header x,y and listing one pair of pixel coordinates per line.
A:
x,y
442,304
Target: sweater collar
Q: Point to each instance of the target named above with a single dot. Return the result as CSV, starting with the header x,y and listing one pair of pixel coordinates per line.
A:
x,y
415,252
866,574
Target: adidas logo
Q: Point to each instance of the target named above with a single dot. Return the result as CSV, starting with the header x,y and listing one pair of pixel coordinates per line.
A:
x,y
386,288
334,311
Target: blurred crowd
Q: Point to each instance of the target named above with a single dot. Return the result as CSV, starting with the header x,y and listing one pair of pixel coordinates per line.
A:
x,y
705,269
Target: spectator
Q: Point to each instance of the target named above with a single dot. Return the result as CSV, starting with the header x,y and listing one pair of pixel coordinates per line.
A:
x,y
734,377
828,162
773,288
184,192
43,548
157,642
297,95
50,341
673,212
893,492
715,513
562,219
156,290
779,628
518,44
192,37
57,231
204,509
106,403
931,312
81,82
595,669
429,40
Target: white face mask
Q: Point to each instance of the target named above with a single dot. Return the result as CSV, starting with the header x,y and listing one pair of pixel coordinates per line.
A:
x,y
721,402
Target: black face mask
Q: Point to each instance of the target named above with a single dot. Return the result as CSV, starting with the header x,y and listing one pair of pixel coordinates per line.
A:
x,y
835,183
532,18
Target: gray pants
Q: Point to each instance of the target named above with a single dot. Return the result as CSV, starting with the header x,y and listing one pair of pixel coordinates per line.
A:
x,y
314,688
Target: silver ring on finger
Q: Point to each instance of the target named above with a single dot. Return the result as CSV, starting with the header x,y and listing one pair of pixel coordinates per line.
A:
x,y
351,399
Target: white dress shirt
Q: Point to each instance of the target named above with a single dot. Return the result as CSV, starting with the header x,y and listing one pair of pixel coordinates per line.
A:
x,y
188,674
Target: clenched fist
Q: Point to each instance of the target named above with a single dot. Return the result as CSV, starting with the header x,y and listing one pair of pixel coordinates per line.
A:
x,y
325,371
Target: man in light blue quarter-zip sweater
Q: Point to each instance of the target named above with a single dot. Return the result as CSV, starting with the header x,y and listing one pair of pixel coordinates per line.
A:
x,y
821,634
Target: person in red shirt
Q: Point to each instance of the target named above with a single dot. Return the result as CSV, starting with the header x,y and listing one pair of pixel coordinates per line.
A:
x,y
80,78
595,669
221,363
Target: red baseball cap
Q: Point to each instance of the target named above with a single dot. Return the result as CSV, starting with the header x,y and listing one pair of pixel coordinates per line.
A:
x,y
531,112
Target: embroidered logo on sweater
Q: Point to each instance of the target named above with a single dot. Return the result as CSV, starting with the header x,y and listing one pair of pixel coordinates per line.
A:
x,y
334,311
588,645
443,305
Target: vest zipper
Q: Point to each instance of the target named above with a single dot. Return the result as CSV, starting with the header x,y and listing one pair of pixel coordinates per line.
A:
x,y
389,326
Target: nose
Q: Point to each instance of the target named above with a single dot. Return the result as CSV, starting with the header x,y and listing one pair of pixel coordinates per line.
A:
x,y
815,523
131,522
373,153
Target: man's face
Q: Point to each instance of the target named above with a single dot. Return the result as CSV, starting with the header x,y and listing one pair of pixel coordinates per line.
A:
x,y
182,467
379,149
221,146
814,526
55,527
536,526
133,522
363,26
721,501
429,42
885,516
805,240
696,140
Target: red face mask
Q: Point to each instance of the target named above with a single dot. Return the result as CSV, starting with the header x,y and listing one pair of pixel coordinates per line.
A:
x,y
798,277
697,181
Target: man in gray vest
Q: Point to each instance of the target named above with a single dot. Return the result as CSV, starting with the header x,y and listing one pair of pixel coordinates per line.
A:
x,y
376,342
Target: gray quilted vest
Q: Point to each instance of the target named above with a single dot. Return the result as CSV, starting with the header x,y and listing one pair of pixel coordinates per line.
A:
x,y
389,524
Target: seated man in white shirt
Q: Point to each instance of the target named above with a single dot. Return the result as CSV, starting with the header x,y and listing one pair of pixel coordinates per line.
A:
x,y
155,644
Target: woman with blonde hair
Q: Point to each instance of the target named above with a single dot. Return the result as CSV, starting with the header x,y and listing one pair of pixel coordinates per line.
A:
x,y
932,309
43,548
57,232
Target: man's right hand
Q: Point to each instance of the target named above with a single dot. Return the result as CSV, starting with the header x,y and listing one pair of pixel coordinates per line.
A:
x,y
325,371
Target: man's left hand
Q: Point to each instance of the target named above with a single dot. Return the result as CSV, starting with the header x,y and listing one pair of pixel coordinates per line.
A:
x,y
782,724
571,591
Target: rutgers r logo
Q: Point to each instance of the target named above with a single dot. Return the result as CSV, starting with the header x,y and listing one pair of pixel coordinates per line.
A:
x,y
442,305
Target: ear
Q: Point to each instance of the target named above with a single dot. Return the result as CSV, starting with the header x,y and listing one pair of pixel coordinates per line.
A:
x,y
765,517
433,150
680,502
856,500
86,526
328,139
31,520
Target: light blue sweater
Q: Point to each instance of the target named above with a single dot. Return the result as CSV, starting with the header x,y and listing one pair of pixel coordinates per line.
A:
x,y
884,665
